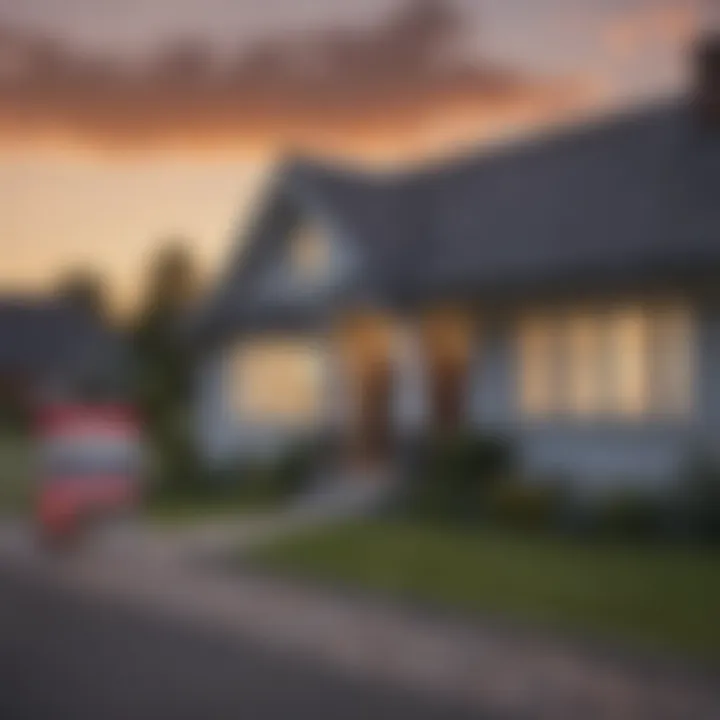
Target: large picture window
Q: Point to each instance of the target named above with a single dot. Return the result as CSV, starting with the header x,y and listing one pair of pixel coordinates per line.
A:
x,y
310,253
278,382
624,362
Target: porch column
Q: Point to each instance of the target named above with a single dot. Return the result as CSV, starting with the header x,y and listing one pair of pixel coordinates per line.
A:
x,y
364,343
448,343
339,403
411,380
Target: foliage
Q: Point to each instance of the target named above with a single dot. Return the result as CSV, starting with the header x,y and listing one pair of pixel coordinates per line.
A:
x,y
86,291
193,490
296,467
16,473
527,506
214,492
698,498
15,414
455,475
631,514
163,370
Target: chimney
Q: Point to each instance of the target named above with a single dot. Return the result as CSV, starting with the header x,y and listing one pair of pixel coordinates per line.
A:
x,y
707,82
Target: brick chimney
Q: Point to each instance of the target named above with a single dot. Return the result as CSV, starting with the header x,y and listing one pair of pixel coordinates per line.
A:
x,y
707,79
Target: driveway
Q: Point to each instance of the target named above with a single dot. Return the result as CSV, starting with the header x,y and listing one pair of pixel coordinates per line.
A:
x,y
64,657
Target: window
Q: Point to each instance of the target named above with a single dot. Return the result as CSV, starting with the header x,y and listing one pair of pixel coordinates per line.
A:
x,y
537,367
309,252
625,362
278,382
584,364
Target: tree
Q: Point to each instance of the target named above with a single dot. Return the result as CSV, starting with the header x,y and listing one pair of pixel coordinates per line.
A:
x,y
163,368
84,290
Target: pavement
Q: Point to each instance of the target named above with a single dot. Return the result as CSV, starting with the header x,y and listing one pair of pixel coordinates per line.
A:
x,y
66,657
429,660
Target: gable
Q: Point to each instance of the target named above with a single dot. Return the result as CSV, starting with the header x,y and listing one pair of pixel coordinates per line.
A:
x,y
308,260
618,201
288,267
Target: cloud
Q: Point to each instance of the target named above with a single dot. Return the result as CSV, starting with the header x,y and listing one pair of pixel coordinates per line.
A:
x,y
667,24
334,87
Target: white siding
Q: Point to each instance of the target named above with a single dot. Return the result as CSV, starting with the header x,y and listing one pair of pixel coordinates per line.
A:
x,y
600,451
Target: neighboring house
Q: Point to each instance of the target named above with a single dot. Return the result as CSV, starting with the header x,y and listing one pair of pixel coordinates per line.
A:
x,y
564,292
50,349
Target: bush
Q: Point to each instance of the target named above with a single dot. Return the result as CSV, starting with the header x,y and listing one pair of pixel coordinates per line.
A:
x,y
181,476
527,506
454,475
294,469
15,416
631,514
699,499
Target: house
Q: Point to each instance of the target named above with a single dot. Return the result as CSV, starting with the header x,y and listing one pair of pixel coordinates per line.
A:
x,y
51,349
563,292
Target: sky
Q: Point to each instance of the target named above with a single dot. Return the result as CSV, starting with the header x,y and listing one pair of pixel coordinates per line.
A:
x,y
126,122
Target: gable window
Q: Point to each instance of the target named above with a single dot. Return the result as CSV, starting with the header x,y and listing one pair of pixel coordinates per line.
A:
x,y
627,362
309,252
278,382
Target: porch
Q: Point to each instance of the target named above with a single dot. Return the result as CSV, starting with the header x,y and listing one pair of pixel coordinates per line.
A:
x,y
368,382
610,389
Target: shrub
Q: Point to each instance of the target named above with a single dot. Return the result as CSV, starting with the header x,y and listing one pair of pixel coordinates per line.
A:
x,y
698,499
631,514
455,474
295,468
527,506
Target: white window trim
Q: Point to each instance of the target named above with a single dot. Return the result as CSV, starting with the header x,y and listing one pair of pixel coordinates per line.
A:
x,y
605,402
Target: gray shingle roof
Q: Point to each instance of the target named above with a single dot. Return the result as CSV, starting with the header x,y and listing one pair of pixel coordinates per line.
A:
x,y
632,196
49,339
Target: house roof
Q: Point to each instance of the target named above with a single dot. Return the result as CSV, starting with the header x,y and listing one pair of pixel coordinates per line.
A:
x,y
625,198
633,194
50,339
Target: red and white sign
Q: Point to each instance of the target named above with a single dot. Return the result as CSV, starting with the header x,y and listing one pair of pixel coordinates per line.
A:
x,y
89,463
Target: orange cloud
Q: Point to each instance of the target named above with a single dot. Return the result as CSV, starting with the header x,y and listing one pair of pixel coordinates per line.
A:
x,y
665,25
337,87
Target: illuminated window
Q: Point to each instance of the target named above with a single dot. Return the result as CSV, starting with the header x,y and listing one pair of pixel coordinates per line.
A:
x,y
310,252
583,388
628,377
674,361
278,382
629,361
536,350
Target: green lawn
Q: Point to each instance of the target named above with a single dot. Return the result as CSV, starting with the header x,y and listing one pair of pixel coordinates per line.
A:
x,y
183,511
178,508
16,478
647,595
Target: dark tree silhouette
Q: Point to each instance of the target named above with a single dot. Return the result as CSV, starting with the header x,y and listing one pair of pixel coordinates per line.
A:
x,y
163,369
85,290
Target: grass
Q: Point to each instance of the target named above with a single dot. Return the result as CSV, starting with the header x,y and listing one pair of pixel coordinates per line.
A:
x,y
173,511
660,597
16,477
208,504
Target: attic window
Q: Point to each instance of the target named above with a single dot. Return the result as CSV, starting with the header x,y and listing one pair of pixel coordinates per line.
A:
x,y
309,252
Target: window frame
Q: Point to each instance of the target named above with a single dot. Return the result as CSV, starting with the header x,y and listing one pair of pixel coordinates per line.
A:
x,y
561,403
249,412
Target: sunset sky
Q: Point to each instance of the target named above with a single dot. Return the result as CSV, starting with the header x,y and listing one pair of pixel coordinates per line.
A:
x,y
123,122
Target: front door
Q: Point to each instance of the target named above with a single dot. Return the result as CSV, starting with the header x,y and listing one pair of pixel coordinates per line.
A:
x,y
367,367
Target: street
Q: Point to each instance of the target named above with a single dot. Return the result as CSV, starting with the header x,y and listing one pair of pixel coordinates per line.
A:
x,y
64,657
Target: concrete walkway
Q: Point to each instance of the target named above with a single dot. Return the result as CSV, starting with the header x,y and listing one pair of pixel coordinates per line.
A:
x,y
208,540
487,667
